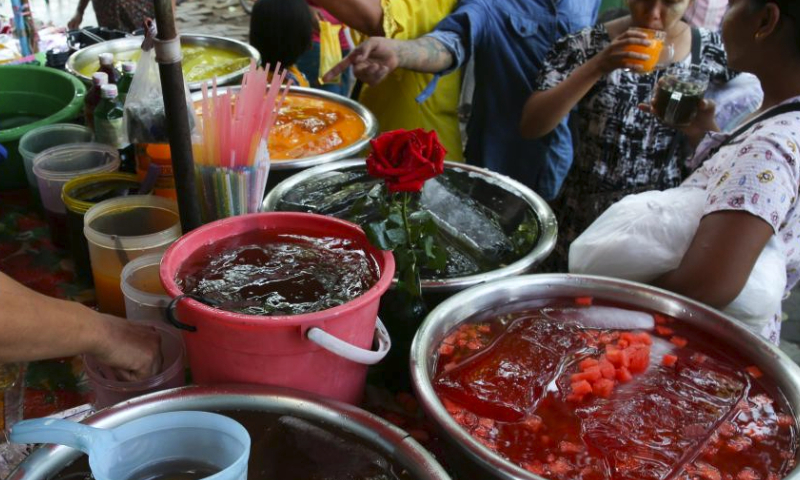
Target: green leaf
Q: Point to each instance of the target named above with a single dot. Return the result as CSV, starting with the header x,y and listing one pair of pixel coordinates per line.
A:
x,y
397,236
376,233
396,218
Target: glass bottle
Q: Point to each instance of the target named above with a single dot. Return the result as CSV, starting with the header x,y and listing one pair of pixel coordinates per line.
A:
x,y
107,67
109,128
93,98
124,85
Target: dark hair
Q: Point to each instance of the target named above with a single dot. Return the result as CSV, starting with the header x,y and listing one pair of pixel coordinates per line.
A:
x,y
789,9
281,30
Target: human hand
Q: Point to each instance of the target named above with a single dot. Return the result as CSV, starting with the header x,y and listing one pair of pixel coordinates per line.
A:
x,y
75,22
372,61
704,122
616,54
133,351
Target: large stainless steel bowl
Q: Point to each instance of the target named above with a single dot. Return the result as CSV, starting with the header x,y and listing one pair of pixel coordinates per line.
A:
x,y
512,189
283,169
512,294
49,461
84,56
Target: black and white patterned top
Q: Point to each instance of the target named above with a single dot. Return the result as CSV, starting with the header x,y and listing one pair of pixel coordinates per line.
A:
x,y
618,148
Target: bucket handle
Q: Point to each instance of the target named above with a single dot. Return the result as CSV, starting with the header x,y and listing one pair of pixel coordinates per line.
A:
x,y
351,352
173,318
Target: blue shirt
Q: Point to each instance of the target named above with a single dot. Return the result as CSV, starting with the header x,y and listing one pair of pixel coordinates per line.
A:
x,y
509,39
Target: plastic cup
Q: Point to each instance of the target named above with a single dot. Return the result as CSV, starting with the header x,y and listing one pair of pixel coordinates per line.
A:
x,y
679,93
110,391
56,166
185,445
120,230
653,51
145,297
79,195
40,139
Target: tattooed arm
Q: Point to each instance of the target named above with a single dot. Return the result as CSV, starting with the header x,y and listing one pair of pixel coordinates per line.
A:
x,y
376,58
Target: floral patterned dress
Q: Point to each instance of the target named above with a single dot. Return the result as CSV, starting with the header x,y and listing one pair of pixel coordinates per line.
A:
x,y
619,150
125,15
758,172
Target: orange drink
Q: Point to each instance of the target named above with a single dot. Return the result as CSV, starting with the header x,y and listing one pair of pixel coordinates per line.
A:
x,y
653,50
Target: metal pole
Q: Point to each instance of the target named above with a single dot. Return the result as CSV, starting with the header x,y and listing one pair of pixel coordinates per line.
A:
x,y
177,114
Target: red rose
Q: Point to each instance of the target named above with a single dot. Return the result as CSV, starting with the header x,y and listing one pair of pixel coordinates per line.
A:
x,y
405,159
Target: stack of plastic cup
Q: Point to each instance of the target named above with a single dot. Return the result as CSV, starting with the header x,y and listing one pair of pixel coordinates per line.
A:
x,y
145,298
110,391
56,166
120,230
40,139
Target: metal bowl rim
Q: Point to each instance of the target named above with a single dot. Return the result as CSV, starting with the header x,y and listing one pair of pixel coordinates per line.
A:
x,y
546,217
199,37
370,130
351,419
420,362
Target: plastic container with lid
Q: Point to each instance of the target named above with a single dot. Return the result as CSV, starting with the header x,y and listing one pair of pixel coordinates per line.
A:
x,y
56,166
82,193
120,230
145,297
48,136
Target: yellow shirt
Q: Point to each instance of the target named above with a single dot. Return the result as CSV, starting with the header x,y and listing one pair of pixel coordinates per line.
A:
x,y
393,100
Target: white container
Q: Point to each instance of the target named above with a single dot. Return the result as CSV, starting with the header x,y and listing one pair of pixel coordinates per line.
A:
x,y
140,286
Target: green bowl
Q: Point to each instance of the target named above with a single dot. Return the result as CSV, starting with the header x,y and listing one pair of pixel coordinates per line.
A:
x,y
31,97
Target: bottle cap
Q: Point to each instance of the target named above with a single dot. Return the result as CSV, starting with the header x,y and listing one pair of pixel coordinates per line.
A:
x,y
129,67
100,78
106,58
108,91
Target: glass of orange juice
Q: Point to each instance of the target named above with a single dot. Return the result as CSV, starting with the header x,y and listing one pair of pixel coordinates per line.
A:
x,y
653,51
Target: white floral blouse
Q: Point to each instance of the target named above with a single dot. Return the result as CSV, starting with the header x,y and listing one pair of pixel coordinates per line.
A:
x,y
758,172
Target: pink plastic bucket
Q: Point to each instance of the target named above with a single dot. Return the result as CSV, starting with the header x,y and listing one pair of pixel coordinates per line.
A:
x,y
324,352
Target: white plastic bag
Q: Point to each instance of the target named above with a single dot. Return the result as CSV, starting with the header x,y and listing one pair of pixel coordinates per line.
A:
x,y
646,235
145,118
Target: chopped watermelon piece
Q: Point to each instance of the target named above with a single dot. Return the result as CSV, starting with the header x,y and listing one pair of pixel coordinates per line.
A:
x,y
581,387
707,472
603,387
607,369
583,301
446,349
748,473
644,338
572,397
754,371
669,360
785,420
660,319
586,363
624,375
739,444
639,358
617,357
679,342
559,467
569,447
534,422
662,330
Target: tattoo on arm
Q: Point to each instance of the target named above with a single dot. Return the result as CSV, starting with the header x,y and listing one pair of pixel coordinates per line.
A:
x,y
424,54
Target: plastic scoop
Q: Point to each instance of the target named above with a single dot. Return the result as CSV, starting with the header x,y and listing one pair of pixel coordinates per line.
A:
x,y
185,445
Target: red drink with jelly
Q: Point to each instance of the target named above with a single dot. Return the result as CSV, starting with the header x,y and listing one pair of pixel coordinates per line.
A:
x,y
566,401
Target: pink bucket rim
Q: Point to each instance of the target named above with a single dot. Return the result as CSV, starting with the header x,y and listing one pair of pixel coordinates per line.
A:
x,y
168,268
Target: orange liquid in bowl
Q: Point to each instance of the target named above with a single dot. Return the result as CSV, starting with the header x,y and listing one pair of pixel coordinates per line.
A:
x,y
309,126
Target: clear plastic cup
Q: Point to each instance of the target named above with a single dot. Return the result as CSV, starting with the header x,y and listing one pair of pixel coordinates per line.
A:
x,y
185,445
120,230
56,166
110,391
145,298
40,139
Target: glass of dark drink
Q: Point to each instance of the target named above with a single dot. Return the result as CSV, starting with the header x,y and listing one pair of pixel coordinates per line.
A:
x,y
679,93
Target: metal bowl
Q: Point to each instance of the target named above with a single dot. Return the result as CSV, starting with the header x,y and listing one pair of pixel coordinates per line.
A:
x,y
50,460
89,54
281,170
515,190
512,295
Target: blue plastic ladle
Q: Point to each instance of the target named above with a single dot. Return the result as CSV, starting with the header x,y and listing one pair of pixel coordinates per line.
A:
x,y
164,444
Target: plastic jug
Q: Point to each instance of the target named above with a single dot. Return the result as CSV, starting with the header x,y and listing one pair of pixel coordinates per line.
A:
x,y
186,445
